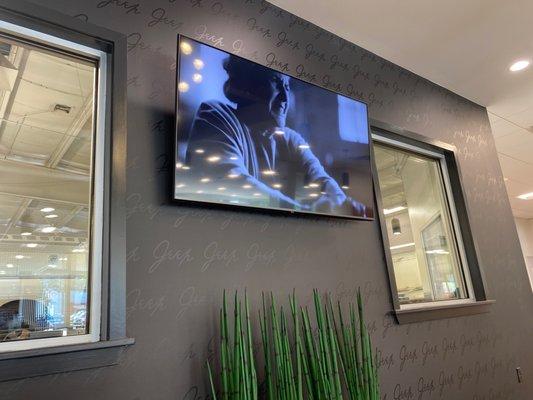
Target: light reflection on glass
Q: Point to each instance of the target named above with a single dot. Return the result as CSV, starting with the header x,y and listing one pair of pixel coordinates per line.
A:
x,y
197,78
186,48
198,64
183,87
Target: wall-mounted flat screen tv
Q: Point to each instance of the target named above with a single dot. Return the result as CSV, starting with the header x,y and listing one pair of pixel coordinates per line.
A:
x,y
250,136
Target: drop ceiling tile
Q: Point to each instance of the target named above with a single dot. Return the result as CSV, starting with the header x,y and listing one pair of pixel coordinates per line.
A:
x,y
59,74
523,118
517,145
516,188
514,169
501,127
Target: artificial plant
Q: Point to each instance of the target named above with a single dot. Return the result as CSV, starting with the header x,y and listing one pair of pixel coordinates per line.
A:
x,y
330,359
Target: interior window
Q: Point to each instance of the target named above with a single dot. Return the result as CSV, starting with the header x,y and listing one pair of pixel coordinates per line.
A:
x,y
46,173
422,241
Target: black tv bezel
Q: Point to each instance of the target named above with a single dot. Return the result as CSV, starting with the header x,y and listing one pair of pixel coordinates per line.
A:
x,y
249,208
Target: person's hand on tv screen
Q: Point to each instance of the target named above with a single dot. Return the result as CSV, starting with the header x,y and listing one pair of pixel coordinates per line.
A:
x,y
327,204
358,209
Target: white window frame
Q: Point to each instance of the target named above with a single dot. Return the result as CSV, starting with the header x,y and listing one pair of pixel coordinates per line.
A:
x,y
96,238
465,270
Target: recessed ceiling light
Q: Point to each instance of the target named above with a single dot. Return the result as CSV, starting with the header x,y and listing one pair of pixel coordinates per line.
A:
x,y
47,209
519,65
48,229
19,256
9,265
32,245
25,234
51,216
526,196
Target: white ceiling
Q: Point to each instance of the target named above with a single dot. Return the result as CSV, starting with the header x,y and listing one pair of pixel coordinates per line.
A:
x,y
465,46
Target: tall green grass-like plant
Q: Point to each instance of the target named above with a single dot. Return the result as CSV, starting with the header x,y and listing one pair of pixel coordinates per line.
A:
x,y
328,360
238,378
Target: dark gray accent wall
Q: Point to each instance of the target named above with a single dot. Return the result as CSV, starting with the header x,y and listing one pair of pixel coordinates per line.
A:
x,y
180,258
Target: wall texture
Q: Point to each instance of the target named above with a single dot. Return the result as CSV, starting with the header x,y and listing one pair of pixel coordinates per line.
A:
x,y
525,234
180,258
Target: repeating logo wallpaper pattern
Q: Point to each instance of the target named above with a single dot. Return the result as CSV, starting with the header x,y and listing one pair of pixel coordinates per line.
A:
x,y
181,258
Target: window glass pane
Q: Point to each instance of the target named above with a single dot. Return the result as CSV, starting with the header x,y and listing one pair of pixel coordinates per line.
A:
x,y
422,242
46,136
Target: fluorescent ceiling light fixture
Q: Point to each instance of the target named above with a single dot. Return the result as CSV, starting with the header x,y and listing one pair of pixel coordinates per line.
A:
x,y
32,245
388,211
437,251
526,196
9,265
401,246
25,234
48,229
19,256
47,209
519,65
51,216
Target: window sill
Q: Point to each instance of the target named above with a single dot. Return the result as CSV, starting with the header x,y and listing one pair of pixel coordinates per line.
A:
x,y
441,312
53,360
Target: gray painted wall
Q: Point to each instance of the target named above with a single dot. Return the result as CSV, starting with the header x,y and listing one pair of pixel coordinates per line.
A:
x,y
180,258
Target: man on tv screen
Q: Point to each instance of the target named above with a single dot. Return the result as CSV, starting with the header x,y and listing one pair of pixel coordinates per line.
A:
x,y
250,148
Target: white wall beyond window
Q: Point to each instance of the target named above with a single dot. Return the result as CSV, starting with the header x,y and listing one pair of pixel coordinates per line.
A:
x,y
525,234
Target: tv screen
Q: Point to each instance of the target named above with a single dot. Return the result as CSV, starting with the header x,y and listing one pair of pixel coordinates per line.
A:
x,y
250,136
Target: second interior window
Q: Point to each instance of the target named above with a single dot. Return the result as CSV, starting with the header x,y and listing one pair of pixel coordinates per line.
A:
x,y
422,242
